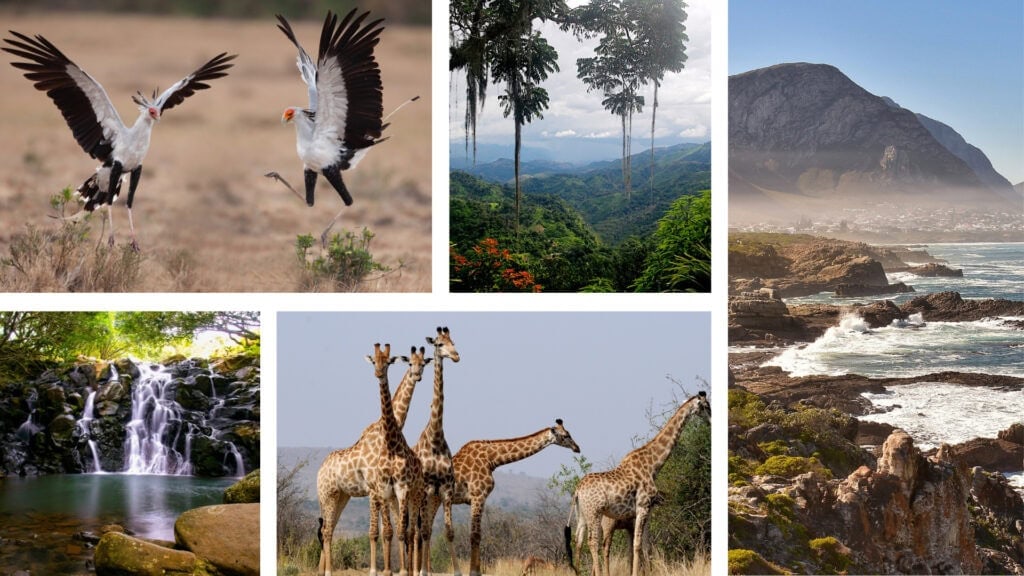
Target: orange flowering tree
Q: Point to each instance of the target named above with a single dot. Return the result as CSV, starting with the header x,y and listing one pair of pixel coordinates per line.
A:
x,y
487,267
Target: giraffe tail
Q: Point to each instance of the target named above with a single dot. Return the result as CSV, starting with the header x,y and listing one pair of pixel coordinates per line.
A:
x,y
320,533
567,532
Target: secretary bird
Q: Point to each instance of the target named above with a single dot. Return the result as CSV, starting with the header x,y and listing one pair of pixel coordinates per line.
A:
x,y
343,120
94,121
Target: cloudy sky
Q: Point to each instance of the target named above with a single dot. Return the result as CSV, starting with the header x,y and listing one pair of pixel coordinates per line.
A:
x,y
577,124
599,372
961,63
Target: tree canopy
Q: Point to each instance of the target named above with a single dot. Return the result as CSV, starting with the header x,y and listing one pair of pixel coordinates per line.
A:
x,y
29,340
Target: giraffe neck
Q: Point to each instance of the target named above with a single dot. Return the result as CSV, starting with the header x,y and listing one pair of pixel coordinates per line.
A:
x,y
403,396
387,411
657,450
435,427
500,452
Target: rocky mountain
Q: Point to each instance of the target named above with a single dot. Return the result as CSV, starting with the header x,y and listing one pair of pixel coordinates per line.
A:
x,y
806,136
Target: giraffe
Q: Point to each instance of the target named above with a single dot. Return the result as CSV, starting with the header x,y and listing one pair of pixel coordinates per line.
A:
x,y
474,472
432,450
396,472
628,490
342,475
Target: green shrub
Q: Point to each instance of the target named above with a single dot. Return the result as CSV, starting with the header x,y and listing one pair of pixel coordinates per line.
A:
x,y
832,556
743,561
340,266
774,448
790,466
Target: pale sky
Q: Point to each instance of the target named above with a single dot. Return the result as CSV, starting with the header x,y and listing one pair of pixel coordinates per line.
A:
x,y
599,372
961,63
577,118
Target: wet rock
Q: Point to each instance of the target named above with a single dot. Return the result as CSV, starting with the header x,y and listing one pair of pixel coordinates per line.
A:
x,y
932,270
1014,434
950,307
245,491
225,535
121,555
858,290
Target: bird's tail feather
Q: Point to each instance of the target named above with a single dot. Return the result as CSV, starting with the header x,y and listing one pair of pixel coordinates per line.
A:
x,y
90,191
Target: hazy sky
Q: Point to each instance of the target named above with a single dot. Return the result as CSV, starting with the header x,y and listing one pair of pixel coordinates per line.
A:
x,y
518,372
577,118
961,63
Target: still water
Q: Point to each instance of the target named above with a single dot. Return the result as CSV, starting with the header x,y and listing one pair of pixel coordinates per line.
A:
x,y
39,517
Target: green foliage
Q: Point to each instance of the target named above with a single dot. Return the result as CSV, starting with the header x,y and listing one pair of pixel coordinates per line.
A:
x,y
30,338
487,267
342,265
682,243
743,561
681,525
567,478
831,555
774,448
788,466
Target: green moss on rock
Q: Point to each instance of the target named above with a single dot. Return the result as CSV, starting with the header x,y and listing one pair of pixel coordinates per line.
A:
x,y
743,561
245,491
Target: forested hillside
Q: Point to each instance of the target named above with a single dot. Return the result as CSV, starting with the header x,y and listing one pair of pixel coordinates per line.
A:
x,y
559,251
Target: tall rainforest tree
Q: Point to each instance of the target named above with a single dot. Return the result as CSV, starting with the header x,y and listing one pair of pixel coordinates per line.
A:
x,y
495,39
661,36
616,69
522,64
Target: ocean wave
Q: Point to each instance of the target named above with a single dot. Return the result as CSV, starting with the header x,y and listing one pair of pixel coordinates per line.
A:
x,y
936,412
911,348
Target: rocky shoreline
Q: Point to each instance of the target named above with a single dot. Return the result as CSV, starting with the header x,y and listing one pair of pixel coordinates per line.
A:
x,y
815,490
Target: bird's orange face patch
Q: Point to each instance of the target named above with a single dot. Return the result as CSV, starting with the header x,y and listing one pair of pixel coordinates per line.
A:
x,y
154,113
289,114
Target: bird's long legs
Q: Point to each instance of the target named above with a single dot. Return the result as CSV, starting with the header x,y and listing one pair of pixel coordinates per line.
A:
x,y
115,176
136,175
280,179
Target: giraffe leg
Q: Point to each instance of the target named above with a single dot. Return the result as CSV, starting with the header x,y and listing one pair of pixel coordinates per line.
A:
x,y
608,531
330,510
594,540
474,538
449,533
638,536
389,534
405,552
374,528
430,506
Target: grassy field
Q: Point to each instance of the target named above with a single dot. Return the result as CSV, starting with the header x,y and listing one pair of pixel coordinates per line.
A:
x,y
203,202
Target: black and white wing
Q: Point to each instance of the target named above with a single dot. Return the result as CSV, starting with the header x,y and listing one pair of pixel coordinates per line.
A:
x,y
82,101
349,89
305,64
188,85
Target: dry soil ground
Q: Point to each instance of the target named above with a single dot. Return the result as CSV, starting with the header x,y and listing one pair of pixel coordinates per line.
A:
x,y
203,189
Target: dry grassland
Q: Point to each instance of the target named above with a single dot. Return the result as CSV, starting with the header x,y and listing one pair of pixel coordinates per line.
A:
x,y
203,202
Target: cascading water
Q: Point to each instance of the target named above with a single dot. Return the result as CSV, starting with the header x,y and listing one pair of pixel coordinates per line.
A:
x,y
239,463
28,428
154,426
85,426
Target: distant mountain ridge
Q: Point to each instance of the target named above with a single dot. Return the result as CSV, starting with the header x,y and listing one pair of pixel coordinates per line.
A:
x,y
806,136
502,170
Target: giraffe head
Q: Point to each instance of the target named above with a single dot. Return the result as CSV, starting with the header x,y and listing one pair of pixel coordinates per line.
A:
x,y
443,345
562,437
416,361
703,408
381,359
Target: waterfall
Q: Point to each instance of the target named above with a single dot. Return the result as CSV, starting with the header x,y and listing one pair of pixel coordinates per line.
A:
x,y
155,425
239,464
28,428
88,415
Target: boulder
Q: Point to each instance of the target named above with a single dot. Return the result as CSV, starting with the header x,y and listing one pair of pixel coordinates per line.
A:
x,y
936,270
1015,434
245,491
121,555
992,454
225,535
